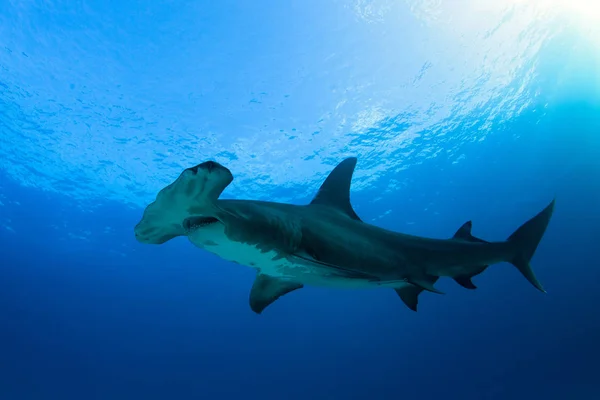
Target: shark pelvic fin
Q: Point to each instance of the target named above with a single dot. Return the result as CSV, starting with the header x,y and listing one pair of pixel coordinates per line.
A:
x,y
409,295
425,284
267,289
464,233
465,281
335,190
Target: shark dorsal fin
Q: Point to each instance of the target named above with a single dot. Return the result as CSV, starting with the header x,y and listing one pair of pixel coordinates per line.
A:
x,y
464,232
335,191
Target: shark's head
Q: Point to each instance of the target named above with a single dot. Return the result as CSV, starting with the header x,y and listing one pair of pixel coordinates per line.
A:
x,y
191,197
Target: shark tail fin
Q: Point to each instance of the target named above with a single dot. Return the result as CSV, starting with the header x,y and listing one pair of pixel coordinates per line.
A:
x,y
525,241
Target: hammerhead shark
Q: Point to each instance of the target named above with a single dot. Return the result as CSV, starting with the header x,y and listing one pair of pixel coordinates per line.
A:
x,y
323,243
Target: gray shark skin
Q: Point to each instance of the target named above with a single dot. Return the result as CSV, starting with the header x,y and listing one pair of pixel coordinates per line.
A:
x,y
323,243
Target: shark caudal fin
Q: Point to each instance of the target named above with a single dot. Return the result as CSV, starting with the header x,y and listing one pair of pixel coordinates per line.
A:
x,y
525,241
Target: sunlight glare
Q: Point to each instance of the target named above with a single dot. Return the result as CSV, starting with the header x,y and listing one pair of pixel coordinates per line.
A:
x,y
585,13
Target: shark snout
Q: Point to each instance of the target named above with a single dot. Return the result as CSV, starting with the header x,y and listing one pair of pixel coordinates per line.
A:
x,y
149,233
144,232
208,166
212,171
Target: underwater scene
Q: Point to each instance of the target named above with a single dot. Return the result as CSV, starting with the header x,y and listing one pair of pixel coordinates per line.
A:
x,y
315,199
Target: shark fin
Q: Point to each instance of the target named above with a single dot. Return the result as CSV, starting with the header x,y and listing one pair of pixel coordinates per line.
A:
x,y
464,233
267,289
525,240
465,281
425,285
335,190
409,295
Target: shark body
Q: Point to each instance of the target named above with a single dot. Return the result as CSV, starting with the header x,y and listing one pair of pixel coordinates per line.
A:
x,y
323,243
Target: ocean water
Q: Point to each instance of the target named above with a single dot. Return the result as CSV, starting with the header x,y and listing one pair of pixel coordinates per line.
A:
x,y
457,110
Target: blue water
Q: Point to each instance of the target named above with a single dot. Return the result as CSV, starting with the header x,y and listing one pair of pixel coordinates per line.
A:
x,y
456,110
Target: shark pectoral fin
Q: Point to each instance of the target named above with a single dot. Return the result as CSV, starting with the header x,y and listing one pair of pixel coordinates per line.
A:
x,y
410,295
425,284
267,289
335,190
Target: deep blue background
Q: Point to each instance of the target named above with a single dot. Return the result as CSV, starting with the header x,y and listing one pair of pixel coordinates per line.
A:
x,y
166,322
108,318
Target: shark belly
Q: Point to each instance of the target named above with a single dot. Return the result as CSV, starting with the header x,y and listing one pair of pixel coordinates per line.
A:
x,y
273,262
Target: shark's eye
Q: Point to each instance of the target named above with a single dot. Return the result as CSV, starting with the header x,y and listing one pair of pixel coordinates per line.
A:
x,y
193,223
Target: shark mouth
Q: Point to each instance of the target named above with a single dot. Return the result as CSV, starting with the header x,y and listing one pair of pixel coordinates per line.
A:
x,y
193,223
